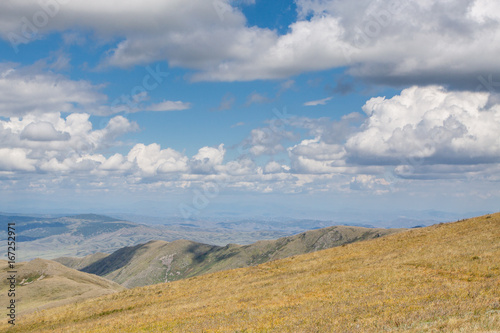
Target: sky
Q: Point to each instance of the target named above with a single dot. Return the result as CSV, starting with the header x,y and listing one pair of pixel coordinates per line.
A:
x,y
250,108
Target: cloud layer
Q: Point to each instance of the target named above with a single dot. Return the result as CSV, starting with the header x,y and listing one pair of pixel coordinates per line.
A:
x,y
30,90
392,42
422,133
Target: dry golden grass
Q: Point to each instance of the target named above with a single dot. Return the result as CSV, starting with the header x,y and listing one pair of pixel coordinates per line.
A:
x,y
43,284
444,278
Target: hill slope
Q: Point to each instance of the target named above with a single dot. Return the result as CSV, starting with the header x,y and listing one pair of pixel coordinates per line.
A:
x,y
160,261
440,278
79,263
43,284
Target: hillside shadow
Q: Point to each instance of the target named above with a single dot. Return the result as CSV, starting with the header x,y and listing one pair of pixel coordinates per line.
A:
x,y
200,253
114,261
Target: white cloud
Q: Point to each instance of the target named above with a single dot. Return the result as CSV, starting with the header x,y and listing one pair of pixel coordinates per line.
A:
x,y
314,156
15,160
117,162
227,102
169,106
310,46
24,91
256,98
318,102
430,125
152,160
288,84
331,132
369,182
43,131
267,140
395,42
275,167
422,133
50,143
27,90
207,160
238,124
241,167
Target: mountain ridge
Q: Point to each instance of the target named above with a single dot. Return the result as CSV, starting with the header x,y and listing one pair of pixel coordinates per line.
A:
x,y
161,261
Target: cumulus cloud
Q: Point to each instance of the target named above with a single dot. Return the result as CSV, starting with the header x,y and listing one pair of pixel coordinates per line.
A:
x,y
15,159
207,160
117,162
430,125
275,167
368,182
153,160
422,133
267,140
240,167
315,156
331,132
54,143
43,131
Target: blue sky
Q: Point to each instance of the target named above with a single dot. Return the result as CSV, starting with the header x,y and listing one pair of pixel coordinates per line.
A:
x,y
250,108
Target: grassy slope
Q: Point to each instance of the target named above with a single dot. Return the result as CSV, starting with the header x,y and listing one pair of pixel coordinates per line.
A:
x,y
79,263
44,283
160,261
150,263
441,278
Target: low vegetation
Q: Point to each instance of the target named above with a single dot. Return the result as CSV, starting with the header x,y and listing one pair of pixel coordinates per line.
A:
x,y
444,278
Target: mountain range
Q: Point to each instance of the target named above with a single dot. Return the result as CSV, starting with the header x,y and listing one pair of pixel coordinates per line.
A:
x,y
50,237
81,235
161,261
442,278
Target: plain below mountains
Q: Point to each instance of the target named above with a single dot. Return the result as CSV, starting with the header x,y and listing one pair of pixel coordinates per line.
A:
x,y
161,261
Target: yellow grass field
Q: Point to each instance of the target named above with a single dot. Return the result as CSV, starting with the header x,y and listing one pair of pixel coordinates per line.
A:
x,y
444,278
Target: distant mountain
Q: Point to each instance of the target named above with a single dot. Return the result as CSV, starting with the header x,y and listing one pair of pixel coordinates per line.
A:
x,y
81,235
160,261
42,284
70,235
